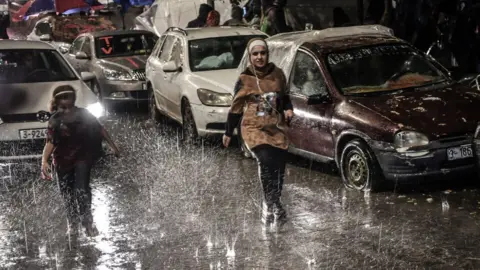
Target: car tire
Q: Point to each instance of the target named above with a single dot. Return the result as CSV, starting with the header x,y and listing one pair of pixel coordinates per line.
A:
x,y
152,107
190,133
243,146
359,167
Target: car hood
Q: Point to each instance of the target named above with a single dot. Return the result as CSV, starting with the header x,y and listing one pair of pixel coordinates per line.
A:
x,y
437,113
221,81
25,98
125,63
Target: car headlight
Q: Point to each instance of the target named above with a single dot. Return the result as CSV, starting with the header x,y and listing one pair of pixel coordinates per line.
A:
x,y
477,132
211,98
116,75
96,109
406,140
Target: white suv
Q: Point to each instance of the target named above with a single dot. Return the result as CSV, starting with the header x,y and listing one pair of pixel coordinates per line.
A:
x,y
191,74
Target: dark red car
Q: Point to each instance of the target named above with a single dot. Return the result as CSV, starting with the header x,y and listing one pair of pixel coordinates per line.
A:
x,y
376,106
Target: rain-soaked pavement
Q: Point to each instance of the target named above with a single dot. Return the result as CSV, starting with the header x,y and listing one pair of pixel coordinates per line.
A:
x,y
166,206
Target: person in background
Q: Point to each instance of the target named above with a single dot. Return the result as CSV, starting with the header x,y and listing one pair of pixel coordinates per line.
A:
x,y
262,102
213,19
237,17
75,140
274,17
340,18
201,20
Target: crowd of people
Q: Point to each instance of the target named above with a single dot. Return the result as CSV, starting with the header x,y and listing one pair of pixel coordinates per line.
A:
x,y
449,27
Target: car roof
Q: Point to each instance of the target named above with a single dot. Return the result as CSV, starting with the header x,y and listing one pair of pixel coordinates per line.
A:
x,y
25,45
335,38
119,32
213,32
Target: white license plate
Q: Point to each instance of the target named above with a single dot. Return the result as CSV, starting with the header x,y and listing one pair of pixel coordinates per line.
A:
x,y
460,152
30,134
144,86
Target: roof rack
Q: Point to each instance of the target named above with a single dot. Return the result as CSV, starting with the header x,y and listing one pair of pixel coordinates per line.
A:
x,y
177,29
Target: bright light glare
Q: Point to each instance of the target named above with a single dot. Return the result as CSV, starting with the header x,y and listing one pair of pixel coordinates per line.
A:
x,y
96,109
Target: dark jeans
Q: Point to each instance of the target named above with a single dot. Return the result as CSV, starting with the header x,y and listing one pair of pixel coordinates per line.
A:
x,y
75,188
271,165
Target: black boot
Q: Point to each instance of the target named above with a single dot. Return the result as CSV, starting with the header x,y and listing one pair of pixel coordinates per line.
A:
x,y
280,213
267,213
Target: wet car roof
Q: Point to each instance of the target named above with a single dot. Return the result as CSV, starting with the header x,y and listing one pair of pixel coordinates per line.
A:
x,y
336,38
223,31
25,45
119,32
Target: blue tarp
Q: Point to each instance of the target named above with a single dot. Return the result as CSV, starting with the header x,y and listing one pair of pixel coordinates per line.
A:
x,y
40,6
128,3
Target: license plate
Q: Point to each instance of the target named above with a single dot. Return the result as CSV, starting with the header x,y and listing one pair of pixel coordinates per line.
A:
x,y
144,86
460,152
30,134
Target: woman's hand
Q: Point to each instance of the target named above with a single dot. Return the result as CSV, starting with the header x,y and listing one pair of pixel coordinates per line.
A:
x,y
226,140
46,171
289,115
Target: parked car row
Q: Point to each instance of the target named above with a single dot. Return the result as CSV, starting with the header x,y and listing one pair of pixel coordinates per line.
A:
x,y
364,100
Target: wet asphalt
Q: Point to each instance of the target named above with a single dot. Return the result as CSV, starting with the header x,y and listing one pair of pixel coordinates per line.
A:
x,y
164,205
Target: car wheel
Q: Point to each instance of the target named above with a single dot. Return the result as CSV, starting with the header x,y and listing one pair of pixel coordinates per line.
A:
x,y
359,167
153,110
190,134
243,146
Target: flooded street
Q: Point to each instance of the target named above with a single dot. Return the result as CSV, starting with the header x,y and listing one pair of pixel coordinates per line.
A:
x,y
167,206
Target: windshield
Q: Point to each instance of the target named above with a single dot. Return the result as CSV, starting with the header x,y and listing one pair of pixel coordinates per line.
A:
x,y
32,66
381,68
124,45
217,53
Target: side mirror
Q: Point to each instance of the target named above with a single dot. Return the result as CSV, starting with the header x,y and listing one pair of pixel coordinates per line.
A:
x,y
171,66
81,56
87,76
46,37
318,99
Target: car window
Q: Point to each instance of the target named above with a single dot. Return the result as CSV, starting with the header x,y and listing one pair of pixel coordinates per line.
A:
x,y
177,52
124,45
306,77
158,46
217,53
166,49
77,45
43,28
31,66
381,68
86,48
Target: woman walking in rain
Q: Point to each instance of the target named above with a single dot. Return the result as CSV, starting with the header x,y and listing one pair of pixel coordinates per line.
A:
x,y
262,102
75,139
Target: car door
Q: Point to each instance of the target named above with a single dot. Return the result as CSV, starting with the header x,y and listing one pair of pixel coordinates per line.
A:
x,y
310,130
173,81
74,49
158,77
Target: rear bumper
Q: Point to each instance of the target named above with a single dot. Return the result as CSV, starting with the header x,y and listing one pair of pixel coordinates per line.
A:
x,y
123,91
400,167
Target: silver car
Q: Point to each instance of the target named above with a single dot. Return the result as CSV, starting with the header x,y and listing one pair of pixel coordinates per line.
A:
x,y
117,58
30,71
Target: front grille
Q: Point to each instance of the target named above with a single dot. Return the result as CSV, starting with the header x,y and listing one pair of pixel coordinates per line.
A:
x,y
22,148
453,139
139,75
19,118
139,94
